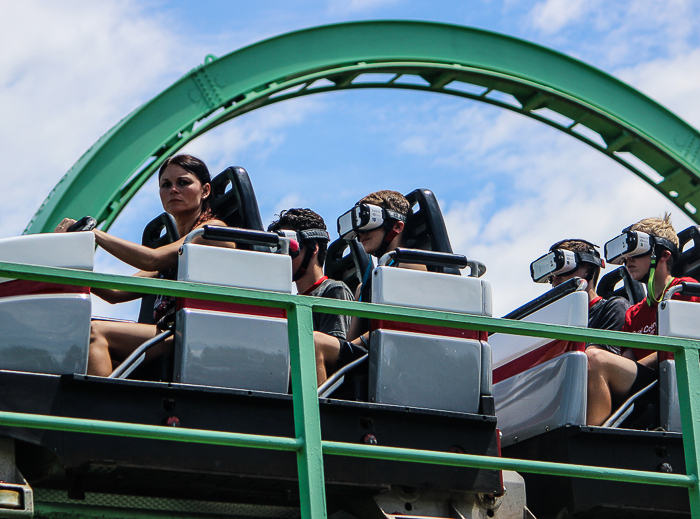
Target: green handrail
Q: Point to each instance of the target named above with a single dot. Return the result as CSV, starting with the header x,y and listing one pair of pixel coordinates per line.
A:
x,y
308,443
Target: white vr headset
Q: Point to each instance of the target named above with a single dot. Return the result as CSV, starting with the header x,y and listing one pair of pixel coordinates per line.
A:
x,y
365,217
561,261
635,243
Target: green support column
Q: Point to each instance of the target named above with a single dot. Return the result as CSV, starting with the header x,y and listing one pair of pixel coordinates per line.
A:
x,y
688,372
312,492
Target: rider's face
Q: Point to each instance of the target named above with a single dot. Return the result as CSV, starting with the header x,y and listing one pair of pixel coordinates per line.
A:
x,y
638,266
181,192
371,240
580,272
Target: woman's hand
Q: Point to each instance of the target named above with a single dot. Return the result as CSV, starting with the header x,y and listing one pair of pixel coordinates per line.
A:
x,y
64,225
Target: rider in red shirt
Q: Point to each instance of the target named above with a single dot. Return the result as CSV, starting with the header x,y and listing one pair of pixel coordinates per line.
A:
x,y
647,249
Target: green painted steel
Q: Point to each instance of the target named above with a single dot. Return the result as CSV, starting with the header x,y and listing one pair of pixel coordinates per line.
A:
x,y
688,375
540,83
152,432
307,419
488,462
309,445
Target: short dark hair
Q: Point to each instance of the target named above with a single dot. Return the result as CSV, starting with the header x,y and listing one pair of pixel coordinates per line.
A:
x,y
298,219
582,246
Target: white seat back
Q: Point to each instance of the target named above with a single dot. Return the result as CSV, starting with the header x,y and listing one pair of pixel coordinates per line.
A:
x,y
429,366
232,345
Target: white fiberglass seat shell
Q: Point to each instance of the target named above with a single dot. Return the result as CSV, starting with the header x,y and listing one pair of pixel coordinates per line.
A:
x,y
428,366
45,327
232,345
540,384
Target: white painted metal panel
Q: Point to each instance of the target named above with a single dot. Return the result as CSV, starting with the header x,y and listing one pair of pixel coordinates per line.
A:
x,y
428,371
679,319
235,268
232,350
75,250
542,398
45,333
571,310
431,290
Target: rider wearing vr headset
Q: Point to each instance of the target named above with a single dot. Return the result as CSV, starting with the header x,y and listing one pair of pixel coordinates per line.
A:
x,y
309,243
580,258
378,221
647,249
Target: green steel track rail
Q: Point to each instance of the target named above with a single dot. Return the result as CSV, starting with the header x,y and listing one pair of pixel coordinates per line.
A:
x,y
308,444
557,90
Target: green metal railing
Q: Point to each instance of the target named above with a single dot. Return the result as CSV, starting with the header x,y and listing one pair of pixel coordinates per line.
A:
x,y
308,444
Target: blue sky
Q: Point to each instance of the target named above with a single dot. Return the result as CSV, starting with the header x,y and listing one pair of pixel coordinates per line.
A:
x,y
509,186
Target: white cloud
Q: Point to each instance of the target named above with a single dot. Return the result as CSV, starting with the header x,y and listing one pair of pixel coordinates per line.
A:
x,y
516,186
264,130
553,15
74,70
579,194
346,7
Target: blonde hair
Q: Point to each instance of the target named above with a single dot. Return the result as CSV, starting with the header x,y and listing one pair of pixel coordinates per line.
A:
x,y
660,227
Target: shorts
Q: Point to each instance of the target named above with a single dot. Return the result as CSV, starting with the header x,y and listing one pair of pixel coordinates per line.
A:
x,y
645,376
348,353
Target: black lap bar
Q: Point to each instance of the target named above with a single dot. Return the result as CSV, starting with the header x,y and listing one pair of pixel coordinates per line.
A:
x,y
690,289
424,257
241,236
566,288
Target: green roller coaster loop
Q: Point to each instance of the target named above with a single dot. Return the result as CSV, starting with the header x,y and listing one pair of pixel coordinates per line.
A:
x,y
550,87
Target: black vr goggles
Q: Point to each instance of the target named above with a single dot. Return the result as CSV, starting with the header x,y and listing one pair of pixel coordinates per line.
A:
x,y
561,261
296,238
635,243
366,217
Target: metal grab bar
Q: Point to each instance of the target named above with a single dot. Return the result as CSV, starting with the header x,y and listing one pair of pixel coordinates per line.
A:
x,y
134,360
325,389
612,421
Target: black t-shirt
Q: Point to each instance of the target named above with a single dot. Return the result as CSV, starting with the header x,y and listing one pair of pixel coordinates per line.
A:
x,y
608,314
335,325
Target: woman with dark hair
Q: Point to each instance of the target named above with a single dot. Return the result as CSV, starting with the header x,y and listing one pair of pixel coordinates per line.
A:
x,y
185,190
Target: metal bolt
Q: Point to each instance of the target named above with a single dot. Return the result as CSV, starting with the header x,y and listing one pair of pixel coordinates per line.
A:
x,y
665,467
370,439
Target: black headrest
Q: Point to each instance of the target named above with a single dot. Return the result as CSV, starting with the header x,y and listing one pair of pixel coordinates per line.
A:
x,y
160,231
346,261
631,290
688,261
233,199
426,227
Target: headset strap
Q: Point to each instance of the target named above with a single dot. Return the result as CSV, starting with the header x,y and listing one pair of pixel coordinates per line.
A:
x,y
395,215
313,234
589,257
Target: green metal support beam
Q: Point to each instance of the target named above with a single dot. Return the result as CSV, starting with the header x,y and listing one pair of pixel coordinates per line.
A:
x,y
307,418
605,113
